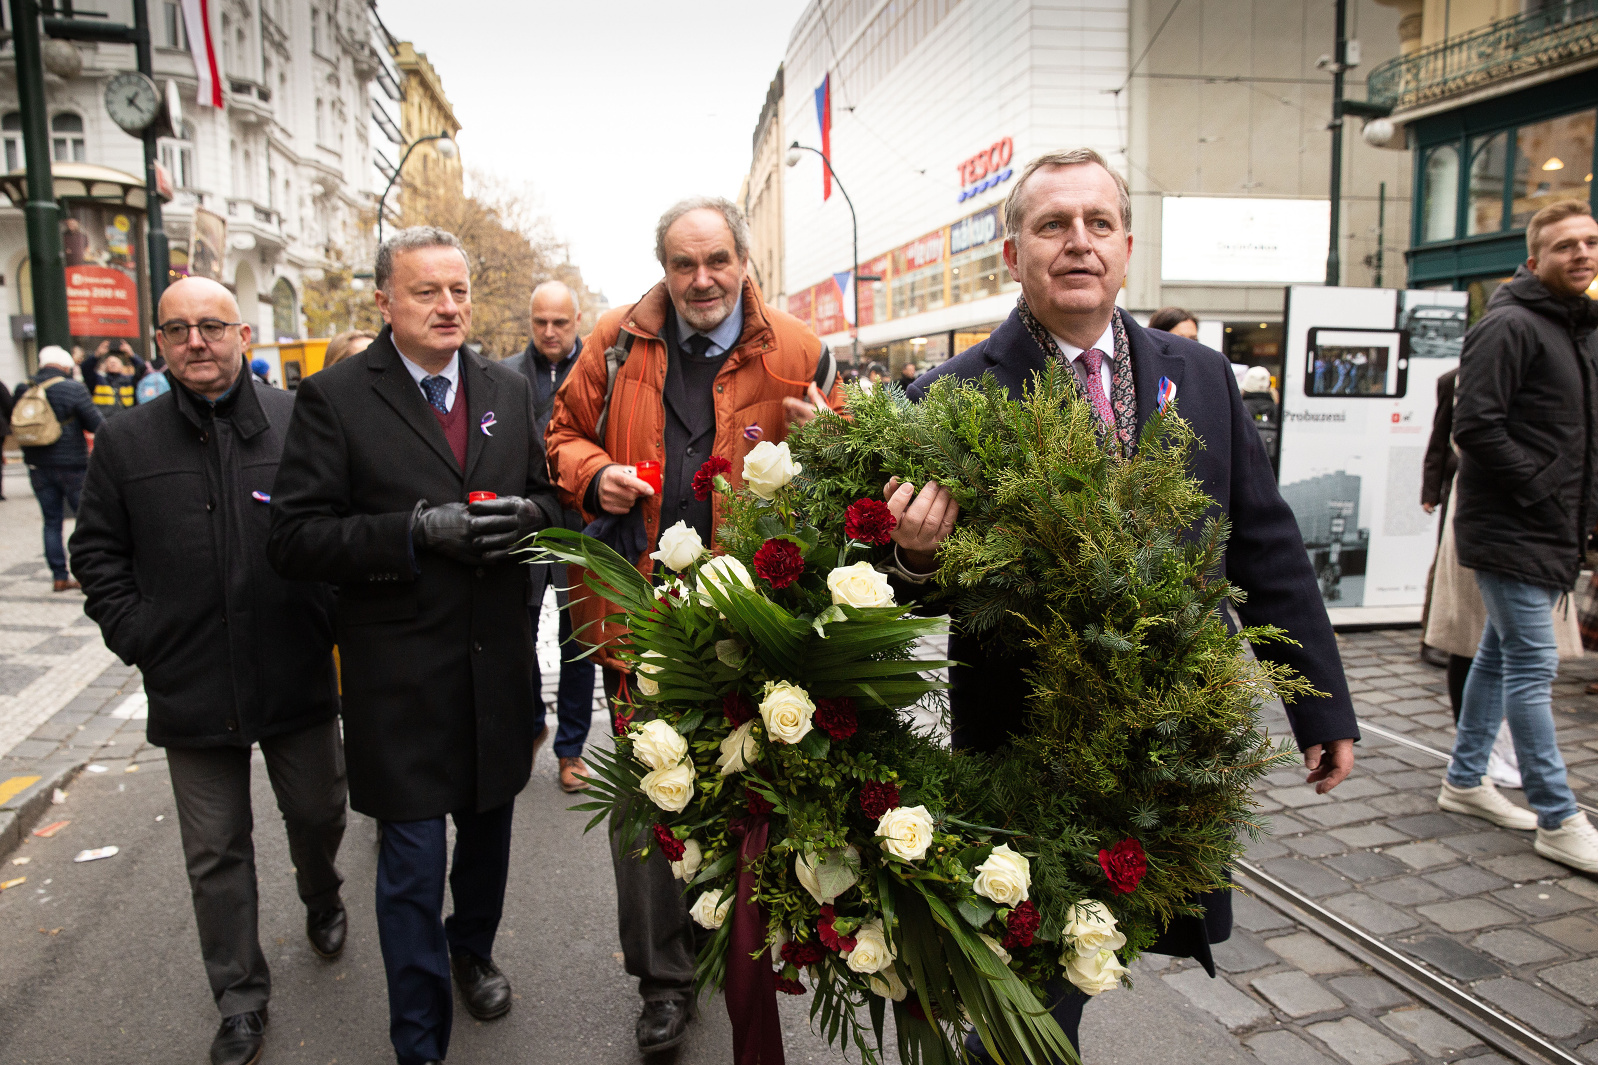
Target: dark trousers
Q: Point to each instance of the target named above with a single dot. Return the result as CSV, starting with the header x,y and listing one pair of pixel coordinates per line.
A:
x,y
657,935
212,788
574,699
56,488
416,943
1067,1011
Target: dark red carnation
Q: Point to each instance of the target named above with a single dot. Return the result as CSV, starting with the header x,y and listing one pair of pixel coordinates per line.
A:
x,y
1125,863
670,845
869,521
789,986
830,939
738,708
758,804
622,723
802,954
780,562
836,717
1021,927
913,1008
877,798
704,480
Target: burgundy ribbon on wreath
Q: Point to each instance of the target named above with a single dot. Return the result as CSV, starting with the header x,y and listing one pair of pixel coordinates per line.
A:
x,y
751,986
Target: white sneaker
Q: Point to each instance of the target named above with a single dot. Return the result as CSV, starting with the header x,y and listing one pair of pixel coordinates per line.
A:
x,y
1503,766
1573,843
1484,801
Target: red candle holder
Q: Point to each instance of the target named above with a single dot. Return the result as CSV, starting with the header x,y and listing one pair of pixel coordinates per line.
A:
x,y
649,473
480,497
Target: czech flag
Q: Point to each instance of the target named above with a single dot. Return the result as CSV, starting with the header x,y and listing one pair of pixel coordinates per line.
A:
x,y
824,122
197,20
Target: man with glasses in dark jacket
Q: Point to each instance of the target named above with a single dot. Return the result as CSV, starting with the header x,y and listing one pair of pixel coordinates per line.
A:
x,y
171,549
1523,420
56,470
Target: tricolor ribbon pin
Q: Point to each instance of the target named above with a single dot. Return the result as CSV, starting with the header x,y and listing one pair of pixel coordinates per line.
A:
x,y
753,432
1164,393
260,497
488,421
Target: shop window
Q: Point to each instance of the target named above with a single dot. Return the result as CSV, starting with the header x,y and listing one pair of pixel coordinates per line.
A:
x,y
66,138
977,274
1553,162
11,132
1488,157
1440,203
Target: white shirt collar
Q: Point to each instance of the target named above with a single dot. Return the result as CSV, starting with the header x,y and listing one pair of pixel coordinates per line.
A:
x,y
1105,344
451,373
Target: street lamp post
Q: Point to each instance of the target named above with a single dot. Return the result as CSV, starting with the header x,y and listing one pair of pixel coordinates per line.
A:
x,y
446,148
854,232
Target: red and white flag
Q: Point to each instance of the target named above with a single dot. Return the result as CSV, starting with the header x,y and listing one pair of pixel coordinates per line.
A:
x,y
197,20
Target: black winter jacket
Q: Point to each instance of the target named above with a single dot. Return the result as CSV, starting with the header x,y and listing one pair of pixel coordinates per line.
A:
x,y
1523,419
76,412
171,550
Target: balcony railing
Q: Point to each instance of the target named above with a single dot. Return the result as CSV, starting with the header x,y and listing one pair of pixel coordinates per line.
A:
x,y
1560,33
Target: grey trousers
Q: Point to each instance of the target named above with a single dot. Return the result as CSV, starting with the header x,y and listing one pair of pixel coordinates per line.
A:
x,y
657,935
212,788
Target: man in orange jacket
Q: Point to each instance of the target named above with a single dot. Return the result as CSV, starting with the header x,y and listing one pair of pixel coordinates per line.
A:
x,y
707,368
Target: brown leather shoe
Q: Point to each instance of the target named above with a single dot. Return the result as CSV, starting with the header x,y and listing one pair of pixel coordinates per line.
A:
x,y
573,774
67,586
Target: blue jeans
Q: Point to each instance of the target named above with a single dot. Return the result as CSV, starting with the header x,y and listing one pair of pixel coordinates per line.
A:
x,y
417,945
56,488
1514,673
574,699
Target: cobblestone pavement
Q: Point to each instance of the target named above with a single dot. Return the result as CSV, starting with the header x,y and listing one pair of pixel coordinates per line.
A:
x,y
1471,901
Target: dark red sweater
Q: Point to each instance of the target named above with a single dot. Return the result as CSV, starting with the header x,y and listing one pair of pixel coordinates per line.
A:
x,y
454,424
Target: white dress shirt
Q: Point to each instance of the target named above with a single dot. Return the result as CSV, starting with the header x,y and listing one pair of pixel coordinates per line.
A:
x,y
450,373
1106,345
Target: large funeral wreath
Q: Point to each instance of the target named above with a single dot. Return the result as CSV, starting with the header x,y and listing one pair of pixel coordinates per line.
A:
x,y
771,754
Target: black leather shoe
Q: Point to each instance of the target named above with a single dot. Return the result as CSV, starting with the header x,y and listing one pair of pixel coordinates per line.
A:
x,y
484,988
662,1025
241,1039
325,929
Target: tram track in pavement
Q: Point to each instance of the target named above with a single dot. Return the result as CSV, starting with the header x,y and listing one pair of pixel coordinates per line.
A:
x,y
1491,1025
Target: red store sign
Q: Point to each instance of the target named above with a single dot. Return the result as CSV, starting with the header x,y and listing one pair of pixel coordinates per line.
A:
x,y
992,159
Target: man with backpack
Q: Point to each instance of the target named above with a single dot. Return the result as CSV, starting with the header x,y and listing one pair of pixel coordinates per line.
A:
x,y
51,414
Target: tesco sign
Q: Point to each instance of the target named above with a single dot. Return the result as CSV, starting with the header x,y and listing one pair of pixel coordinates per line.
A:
x,y
987,168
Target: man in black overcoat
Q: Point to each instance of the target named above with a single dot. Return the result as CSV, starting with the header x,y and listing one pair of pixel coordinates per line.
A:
x,y
439,708
170,547
1067,241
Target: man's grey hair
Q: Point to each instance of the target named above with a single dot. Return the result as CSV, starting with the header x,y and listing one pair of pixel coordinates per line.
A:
x,y
1015,203
413,239
577,304
728,210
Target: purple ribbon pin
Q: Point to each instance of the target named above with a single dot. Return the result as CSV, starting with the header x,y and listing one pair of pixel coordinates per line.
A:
x,y
260,497
488,421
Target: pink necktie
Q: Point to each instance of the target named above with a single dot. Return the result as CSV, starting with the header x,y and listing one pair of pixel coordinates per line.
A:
x,y
1092,359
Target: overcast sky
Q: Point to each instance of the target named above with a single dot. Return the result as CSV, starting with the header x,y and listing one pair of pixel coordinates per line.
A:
x,y
607,112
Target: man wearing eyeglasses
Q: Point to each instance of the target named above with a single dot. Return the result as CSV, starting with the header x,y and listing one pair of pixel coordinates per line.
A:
x,y
171,549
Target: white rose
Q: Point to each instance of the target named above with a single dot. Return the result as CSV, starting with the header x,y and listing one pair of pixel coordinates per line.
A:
x,y
1005,877
641,671
693,855
1089,926
829,873
710,909
680,547
871,953
859,585
1095,971
658,745
768,467
787,710
670,789
887,984
906,832
738,750
722,573
995,946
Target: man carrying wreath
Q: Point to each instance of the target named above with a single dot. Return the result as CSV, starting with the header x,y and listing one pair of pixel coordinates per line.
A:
x,y
707,371
1067,241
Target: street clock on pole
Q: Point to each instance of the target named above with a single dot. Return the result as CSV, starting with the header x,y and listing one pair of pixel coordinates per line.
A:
x,y
132,101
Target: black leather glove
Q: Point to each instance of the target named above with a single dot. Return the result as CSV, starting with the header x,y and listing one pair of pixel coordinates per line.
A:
x,y
498,525
446,529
